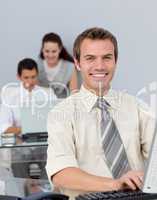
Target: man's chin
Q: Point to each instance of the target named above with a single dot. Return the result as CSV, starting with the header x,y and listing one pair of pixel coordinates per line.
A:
x,y
29,88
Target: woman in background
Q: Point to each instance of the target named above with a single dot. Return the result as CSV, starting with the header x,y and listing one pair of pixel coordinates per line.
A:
x,y
56,67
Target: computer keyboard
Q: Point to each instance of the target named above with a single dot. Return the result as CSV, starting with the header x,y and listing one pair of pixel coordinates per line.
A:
x,y
118,195
35,137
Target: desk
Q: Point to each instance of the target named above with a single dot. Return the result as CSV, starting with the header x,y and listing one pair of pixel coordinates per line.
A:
x,y
22,168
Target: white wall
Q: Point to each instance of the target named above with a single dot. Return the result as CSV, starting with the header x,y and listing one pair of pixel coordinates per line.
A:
x,y
24,22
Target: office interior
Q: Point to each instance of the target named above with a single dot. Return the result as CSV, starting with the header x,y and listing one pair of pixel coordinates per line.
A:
x,y
23,23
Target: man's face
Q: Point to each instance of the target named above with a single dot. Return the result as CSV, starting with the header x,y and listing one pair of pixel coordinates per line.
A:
x,y
97,64
29,78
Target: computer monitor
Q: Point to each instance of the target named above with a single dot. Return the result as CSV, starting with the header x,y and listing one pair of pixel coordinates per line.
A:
x,y
34,116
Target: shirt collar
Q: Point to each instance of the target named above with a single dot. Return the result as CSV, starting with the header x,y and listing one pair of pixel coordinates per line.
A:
x,y
89,98
25,91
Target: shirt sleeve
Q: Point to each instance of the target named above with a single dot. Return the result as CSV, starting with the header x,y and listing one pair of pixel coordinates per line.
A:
x,y
147,123
61,146
6,118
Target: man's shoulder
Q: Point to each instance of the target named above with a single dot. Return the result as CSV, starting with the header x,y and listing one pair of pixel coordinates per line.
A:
x,y
46,90
9,94
122,95
122,100
131,100
67,104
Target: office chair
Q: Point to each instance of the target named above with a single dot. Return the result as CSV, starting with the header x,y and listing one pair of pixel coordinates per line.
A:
x,y
4,197
46,196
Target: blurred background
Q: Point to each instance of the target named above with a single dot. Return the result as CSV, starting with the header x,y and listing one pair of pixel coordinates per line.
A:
x,y
23,24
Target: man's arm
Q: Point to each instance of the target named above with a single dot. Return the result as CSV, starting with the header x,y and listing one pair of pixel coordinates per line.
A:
x,y
76,179
62,166
7,120
147,122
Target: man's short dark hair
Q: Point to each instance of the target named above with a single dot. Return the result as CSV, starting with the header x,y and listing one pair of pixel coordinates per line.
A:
x,y
94,34
26,63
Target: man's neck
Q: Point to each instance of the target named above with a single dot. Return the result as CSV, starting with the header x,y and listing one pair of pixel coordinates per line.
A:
x,y
98,92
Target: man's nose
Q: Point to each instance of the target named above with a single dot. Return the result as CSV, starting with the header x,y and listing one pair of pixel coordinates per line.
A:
x,y
100,64
30,81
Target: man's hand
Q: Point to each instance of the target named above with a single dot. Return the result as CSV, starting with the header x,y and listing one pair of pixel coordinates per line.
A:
x,y
130,180
82,181
13,129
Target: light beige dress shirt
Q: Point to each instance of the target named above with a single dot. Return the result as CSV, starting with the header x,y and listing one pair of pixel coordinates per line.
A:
x,y
14,98
74,138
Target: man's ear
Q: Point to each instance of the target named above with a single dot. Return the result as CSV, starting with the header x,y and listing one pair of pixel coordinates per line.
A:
x,y
77,64
18,77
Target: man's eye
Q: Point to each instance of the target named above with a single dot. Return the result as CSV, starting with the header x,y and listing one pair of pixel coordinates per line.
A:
x,y
90,58
108,58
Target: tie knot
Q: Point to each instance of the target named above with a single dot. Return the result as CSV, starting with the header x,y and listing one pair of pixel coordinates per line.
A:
x,y
102,104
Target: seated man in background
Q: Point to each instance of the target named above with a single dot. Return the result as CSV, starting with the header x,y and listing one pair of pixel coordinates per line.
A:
x,y
15,97
10,122
98,138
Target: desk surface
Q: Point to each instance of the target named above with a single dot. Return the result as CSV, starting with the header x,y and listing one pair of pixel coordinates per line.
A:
x,y
32,139
23,145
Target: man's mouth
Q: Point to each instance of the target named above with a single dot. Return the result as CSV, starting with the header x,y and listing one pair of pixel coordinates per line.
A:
x,y
99,75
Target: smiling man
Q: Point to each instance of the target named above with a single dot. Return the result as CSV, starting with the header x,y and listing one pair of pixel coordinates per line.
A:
x,y
98,138
99,62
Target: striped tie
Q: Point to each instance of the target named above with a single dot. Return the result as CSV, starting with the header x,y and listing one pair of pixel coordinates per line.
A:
x,y
113,146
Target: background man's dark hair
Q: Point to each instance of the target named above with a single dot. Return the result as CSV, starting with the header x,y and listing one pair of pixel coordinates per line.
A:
x,y
26,63
95,33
